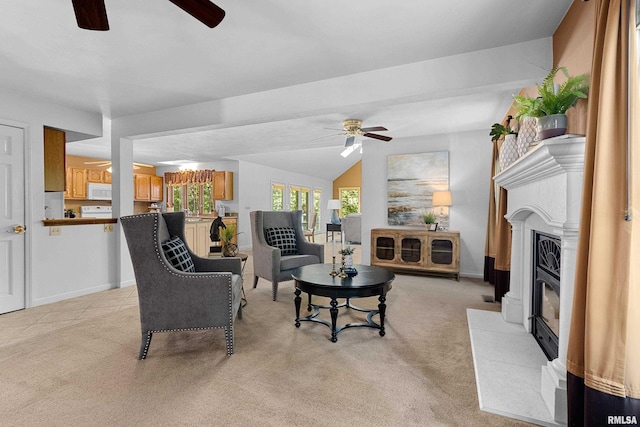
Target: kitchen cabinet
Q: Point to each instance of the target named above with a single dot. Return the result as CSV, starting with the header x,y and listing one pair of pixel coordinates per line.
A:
x,y
156,188
142,187
147,188
77,179
222,185
197,234
76,183
416,250
54,160
95,175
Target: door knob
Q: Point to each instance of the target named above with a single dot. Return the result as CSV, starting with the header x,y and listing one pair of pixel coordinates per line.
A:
x,y
19,229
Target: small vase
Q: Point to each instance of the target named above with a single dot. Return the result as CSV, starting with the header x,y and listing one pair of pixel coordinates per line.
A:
x,y
348,262
527,135
508,151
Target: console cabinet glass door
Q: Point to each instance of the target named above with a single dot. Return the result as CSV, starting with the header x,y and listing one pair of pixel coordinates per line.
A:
x,y
442,252
385,248
411,250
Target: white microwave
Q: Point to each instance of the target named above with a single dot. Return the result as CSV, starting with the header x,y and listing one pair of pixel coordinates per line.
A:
x,y
98,191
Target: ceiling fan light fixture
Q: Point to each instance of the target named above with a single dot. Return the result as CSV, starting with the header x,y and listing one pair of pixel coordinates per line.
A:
x,y
352,127
350,149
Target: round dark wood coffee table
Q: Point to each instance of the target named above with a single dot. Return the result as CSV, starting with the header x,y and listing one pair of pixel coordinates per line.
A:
x,y
316,280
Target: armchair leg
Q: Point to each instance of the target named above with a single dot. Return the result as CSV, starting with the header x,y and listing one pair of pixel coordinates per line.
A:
x,y
144,346
274,289
255,281
228,336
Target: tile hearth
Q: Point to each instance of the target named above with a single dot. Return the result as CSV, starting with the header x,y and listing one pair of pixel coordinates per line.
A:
x,y
508,365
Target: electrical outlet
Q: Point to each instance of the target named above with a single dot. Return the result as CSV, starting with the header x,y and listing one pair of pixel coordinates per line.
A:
x,y
55,231
108,228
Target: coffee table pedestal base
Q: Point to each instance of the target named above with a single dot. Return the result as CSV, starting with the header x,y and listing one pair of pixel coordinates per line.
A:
x,y
333,309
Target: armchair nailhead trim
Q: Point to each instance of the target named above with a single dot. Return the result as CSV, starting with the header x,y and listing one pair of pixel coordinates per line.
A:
x,y
228,333
228,330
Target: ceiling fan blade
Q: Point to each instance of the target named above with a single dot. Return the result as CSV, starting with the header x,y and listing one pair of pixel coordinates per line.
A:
x,y
350,141
373,129
380,137
91,14
203,10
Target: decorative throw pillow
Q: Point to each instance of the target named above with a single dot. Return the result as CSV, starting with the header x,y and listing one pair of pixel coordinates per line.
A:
x,y
176,252
283,238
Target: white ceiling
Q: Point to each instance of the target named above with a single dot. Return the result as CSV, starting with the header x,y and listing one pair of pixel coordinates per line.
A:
x,y
156,57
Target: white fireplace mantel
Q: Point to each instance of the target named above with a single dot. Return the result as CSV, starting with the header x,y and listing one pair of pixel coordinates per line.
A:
x,y
544,191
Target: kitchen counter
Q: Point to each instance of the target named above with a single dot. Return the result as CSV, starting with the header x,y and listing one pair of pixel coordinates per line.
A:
x,y
78,221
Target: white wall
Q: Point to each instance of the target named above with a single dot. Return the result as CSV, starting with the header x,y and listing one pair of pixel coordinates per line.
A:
x,y
78,261
255,192
469,175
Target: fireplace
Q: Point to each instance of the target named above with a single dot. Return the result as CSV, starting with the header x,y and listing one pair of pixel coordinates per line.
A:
x,y
544,191
545,312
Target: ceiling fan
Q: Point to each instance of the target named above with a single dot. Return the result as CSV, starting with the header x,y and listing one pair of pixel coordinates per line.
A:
x,y
92,14
353,128
102,163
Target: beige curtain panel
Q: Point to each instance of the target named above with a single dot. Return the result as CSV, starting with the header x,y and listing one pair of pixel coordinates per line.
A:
x,y
604,340
490,245
497,260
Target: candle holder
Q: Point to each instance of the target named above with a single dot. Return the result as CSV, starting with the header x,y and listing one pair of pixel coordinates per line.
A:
x,y
342,274
333,273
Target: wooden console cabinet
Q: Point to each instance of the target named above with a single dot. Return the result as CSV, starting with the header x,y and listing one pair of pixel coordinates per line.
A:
x,y
412,249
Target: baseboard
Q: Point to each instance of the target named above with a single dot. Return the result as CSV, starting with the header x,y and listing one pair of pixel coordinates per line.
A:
x,y
72,294
472,275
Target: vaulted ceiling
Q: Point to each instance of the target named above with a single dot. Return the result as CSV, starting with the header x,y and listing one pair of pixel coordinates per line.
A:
x,y
155,57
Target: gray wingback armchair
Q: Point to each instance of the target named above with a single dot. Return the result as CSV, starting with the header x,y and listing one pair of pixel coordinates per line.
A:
x,y
271,262
174,300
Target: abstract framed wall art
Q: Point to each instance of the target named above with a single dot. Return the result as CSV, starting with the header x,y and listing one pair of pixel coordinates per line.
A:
x,y
411,181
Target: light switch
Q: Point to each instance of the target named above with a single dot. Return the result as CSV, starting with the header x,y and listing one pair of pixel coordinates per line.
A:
x,y
55,231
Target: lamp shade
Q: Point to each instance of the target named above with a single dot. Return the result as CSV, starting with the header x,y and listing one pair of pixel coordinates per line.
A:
x,y
441,198
333,204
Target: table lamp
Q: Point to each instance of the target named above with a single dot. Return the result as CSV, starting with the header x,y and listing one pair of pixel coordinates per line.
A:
x,y
334,204
442,199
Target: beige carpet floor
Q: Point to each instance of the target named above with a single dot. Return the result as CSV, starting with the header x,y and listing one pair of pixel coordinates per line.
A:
x,y
419,374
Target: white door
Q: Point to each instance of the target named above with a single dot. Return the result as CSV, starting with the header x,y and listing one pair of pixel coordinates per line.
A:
x,y
12,219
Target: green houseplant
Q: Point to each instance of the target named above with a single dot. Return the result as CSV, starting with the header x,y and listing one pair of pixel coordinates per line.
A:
x,y
498,130
552,102
429,219
347,251
226,238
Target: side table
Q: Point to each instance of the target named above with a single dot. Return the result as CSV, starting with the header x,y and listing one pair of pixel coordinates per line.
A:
x,y
243,258
332,228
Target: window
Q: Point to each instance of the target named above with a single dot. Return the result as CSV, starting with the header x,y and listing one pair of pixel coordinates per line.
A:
x,y
177,198
277,197
317,199
349,200
299,200
198,200
208,203
193,198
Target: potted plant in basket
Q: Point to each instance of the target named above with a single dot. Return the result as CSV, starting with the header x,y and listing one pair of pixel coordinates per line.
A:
x,y
226,238
553,101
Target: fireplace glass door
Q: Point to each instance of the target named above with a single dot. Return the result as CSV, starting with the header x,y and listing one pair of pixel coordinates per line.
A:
x,y
546,293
